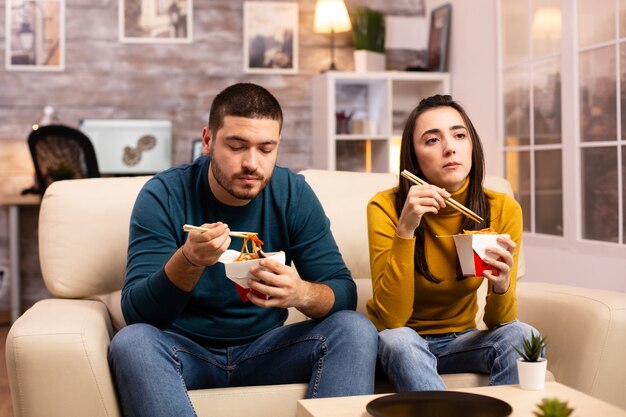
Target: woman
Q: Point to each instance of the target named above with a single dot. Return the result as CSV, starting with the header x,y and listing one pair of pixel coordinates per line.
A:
x,y
422,305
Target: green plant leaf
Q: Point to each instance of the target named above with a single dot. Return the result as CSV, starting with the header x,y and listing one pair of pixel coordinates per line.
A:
x,y
553,407
533,346
368,29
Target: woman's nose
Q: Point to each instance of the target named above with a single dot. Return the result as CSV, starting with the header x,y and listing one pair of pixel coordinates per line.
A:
x,y
448,147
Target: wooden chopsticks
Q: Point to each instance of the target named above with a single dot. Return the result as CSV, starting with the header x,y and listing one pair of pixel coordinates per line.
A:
x,y
191,228
455,204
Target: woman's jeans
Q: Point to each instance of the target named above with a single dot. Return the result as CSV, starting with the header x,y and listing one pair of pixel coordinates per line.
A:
x,y
153,369
413,362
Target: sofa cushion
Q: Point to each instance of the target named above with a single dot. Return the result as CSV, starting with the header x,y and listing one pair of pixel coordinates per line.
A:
x,y
83,234
344,196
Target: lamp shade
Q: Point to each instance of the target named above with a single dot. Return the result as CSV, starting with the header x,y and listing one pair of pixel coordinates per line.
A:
x,y
331,16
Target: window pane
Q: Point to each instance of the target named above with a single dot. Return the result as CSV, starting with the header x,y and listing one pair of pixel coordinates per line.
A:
x,y
599,194
596,21
546,27
623,194
547,102
598,109
514,31
548,193
518,173
622,59
516,106
622,18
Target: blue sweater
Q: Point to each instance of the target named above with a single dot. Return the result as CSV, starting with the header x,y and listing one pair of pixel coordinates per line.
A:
x,y
286,214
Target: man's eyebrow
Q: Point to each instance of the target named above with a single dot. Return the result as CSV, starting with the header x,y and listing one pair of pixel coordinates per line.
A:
x,y
244,140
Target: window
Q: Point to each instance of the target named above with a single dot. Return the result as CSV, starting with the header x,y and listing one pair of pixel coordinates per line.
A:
x,y
601,80
531,97
566,145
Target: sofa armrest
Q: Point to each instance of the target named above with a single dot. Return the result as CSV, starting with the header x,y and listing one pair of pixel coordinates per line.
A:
x,y
586,335
56,355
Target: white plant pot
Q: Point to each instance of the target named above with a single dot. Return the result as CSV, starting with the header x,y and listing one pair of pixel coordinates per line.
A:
x,y
365,61
532,375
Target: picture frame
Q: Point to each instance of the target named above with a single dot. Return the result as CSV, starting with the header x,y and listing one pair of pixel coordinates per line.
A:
x,y
35,35
270,37
439,38
155,21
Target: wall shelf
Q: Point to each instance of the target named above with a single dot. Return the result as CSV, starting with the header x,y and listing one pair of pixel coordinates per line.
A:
x,y
376,105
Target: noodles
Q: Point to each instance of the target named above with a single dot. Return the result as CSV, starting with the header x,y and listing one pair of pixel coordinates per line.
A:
x,y
247,254
487,231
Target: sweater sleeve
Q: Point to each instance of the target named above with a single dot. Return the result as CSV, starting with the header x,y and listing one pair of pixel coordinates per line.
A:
x,y
148,296
315,252
502,308
392,266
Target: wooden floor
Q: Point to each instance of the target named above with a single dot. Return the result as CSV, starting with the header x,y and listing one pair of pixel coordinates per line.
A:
x,y
6,409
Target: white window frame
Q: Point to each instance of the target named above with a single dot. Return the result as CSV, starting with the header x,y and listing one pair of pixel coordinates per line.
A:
x,y
570,145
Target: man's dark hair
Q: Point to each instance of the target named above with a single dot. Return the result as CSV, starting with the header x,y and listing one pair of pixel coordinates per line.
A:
x,y
244,100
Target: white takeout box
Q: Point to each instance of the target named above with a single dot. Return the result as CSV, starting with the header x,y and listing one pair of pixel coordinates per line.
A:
x,y
239,272
471,250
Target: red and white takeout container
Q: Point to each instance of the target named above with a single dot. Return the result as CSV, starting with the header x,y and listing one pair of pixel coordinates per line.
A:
x,y
471,250
239,272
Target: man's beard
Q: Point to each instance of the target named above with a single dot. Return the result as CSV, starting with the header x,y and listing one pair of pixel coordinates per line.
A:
x,y
249,191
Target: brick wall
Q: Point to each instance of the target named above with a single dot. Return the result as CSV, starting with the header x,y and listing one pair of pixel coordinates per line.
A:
x,y
104,78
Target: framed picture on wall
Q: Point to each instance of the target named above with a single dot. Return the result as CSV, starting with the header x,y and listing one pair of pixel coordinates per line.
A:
x,y
439,38
35,35
270,37
155,21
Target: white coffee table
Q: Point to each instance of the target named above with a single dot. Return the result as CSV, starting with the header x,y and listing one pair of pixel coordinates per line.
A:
x,y
523,402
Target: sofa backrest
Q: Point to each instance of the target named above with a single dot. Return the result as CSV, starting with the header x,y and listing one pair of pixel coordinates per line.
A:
x,y
83,234
83,229
344,196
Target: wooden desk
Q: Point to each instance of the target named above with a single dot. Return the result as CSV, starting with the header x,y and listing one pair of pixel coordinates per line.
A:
x,y
523,402
13,202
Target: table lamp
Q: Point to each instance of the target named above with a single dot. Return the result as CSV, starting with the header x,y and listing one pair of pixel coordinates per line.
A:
x,y
331,16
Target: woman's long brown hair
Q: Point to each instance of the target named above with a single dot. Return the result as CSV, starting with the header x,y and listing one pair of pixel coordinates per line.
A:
x,y
476,201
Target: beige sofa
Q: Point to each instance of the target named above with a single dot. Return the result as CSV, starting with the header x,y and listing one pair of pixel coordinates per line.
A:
x,y
57,350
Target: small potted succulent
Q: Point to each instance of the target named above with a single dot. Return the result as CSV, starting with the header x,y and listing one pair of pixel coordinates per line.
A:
x,y
368,31
553,407
531,367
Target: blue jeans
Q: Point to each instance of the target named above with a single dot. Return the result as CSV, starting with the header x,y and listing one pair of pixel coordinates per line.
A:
x,y
153,369
413,362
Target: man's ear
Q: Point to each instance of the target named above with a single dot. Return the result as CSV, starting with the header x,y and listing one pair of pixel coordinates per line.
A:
x,y
206,141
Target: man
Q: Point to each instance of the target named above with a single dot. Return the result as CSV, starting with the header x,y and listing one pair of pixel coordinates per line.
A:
x,y
188,328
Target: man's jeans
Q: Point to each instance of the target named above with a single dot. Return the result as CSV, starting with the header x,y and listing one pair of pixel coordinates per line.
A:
x,y
413,363
154,369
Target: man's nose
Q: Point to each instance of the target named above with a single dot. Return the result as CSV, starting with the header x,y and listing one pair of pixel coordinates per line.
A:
x,y
250,161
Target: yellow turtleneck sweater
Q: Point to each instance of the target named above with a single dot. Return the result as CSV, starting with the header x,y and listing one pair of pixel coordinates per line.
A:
x,y
402,297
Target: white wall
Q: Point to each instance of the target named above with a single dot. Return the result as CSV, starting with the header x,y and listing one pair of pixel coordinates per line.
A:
x,y
474,68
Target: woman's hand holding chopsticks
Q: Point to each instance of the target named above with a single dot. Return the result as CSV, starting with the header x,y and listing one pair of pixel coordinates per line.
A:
x,y
420,200
453,203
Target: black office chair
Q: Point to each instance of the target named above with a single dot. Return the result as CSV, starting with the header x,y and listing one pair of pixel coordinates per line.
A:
x,y
60,153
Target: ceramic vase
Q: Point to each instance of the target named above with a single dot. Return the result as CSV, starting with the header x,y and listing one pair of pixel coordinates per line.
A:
x,y
532,375
365,61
